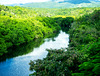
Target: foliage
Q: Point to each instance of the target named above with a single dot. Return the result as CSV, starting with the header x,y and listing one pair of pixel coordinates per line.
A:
x,y
85,30
15,30
22,49
86,33
92,66
19,25
20,12
64,22
82,56
57,62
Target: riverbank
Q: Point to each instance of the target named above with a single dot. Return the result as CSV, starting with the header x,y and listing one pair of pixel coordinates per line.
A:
x,y
16,62
19,25
15,31
82,56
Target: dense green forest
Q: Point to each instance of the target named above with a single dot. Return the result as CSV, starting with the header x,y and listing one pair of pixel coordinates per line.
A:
x,y
20,25
82,57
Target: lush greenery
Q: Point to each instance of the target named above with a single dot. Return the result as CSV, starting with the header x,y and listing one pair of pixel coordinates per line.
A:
x,y
21,25
19,12
86,39
82,57
67,12
17,28
25,48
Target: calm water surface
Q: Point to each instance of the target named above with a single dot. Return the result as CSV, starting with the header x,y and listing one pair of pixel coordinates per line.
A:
x,y
19,65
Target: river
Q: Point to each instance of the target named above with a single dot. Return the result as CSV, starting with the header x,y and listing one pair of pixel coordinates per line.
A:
x,y
17,63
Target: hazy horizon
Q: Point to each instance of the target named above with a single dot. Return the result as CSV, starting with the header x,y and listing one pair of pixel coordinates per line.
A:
x,y
20,1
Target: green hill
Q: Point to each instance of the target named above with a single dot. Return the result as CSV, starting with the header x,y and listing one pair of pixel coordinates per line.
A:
x,y
82,57
60,5
20,25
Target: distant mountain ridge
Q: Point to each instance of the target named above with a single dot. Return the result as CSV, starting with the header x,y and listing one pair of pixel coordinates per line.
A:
x,y
73,1
61,4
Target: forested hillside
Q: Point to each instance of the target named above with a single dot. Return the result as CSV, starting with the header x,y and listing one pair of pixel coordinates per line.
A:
x,y
82,57
20,25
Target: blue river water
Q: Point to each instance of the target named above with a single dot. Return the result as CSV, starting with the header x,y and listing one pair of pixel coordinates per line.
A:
x,y
19,65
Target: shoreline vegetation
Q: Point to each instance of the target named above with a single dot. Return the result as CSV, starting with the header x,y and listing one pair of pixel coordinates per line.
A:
x,y
19,25
82,56
15,31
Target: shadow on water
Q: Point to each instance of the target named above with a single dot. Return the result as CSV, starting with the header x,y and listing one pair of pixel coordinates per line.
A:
x,y
65,23
15,62
25,48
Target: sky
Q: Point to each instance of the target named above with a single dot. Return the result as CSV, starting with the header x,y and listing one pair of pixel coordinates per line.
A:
x,y
20,1
24,1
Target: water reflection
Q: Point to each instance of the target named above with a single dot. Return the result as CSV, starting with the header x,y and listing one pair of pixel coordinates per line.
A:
x,y
18,62
25,48
22,49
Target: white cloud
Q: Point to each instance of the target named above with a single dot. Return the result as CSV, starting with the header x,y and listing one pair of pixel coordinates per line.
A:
x,y
20,1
